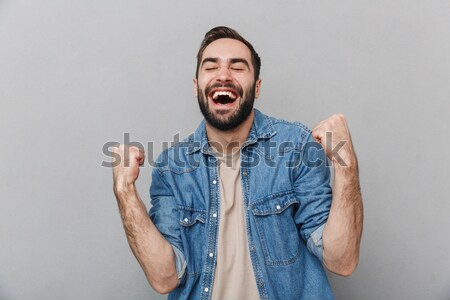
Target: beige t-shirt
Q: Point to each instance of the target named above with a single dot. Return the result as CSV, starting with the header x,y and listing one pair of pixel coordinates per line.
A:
x,y
234,278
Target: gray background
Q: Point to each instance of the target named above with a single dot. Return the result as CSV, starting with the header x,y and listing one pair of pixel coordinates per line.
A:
x,y
77,74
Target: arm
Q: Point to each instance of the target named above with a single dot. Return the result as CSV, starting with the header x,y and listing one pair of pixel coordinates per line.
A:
x,y
343,229
153,252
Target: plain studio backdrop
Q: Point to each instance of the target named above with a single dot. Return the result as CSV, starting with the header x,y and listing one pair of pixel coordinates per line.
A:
x,y
75,75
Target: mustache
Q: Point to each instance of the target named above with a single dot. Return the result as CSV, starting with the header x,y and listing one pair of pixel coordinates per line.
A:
x,y
225,85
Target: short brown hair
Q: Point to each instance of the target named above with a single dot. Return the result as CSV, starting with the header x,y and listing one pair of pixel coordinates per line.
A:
x,y
223,32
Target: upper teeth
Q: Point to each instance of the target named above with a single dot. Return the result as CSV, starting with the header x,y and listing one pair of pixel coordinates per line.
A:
x,y
223,93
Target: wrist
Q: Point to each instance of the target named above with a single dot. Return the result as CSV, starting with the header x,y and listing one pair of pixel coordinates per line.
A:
x,y
345,158
124,189
349,165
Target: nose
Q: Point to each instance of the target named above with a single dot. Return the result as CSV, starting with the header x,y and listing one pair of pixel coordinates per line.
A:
x,y
224,74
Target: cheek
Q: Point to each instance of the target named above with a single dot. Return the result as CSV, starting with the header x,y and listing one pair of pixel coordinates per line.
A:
x,y
249,85
246,81
202,84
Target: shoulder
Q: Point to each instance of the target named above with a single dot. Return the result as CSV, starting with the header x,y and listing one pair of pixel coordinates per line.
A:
x,y
175,157
289,130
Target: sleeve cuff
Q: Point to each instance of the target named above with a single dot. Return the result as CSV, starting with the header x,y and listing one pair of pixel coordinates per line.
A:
x,y
180,263
315,242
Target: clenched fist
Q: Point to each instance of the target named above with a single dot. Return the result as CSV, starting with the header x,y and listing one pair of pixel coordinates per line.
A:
x,y
334,136
126,171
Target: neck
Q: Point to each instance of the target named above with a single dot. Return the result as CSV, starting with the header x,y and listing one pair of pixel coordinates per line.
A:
x,y
228,142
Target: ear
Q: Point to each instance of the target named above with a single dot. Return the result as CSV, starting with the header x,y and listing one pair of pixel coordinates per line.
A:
x,y
257,88
195,87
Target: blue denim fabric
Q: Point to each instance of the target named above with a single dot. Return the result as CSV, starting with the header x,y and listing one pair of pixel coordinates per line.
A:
x,y
287,196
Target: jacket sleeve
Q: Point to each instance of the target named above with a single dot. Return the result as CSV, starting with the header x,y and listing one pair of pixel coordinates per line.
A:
x,y
164,214
312,189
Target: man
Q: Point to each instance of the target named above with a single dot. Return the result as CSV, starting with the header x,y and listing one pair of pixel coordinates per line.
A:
x,y
242,209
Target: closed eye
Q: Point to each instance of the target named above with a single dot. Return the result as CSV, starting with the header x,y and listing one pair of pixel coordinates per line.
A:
x,y
210,67
238,66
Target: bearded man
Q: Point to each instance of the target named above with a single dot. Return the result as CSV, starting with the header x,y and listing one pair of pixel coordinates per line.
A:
x,y
243,208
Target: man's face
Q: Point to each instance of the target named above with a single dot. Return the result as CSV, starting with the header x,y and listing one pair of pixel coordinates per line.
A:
x,y
226,87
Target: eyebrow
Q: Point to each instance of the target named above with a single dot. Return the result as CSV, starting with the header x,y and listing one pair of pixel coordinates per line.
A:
x,y
231,61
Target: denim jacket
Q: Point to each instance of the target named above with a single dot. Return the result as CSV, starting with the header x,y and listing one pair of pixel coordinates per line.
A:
x,y
287,198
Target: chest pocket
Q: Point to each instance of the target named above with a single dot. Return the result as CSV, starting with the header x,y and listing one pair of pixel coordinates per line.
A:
x,y
278,233
193,234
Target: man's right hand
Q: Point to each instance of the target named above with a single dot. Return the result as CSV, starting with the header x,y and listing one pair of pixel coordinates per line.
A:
x,y
126,171
151,249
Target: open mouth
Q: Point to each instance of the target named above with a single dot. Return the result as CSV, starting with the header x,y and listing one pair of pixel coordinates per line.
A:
x,y
223,96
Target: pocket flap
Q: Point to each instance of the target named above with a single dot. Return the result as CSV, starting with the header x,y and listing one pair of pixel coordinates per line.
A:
x,y
274,204
189,216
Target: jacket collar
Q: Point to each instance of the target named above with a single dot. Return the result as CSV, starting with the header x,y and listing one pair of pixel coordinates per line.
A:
x,y
262,128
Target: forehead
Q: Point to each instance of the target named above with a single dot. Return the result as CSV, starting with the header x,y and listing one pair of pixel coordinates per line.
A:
x,y
227,48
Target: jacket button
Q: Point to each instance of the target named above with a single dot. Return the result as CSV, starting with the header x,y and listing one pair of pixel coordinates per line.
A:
x,y
214,181
278,207
206,289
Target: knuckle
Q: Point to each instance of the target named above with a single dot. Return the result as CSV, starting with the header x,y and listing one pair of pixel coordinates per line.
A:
x,y
340,116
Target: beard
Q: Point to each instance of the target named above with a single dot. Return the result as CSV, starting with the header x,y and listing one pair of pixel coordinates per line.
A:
x,y
221,122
